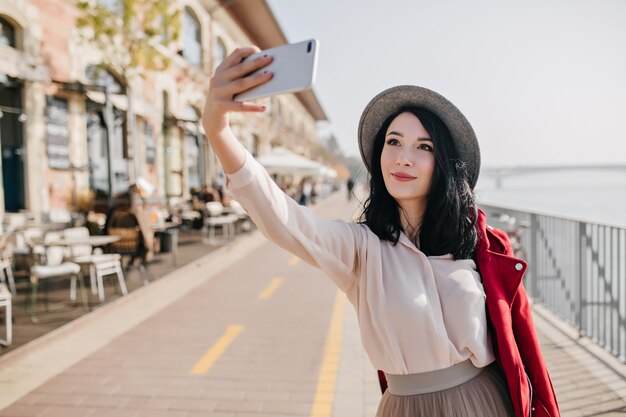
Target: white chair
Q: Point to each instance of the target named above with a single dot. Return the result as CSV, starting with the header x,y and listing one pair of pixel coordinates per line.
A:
x,y
6,302
6,276
99,264
216,219
7,288
24,251
16,220
55,267
24,242
6,273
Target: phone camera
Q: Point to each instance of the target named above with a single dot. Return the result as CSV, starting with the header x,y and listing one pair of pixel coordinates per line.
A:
x,y
309,47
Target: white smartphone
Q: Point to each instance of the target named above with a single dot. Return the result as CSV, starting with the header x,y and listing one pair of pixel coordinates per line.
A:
x,y
293,68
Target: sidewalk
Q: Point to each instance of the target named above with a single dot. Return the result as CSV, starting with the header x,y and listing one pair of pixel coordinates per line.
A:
x,y
134,356
588,380
191,248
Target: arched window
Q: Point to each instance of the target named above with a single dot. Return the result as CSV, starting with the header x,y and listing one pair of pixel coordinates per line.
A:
x,y
101,146
7,33
192,41
100,76
219,52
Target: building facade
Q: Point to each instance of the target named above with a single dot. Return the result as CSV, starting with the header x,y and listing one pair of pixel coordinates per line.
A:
x,y
70,125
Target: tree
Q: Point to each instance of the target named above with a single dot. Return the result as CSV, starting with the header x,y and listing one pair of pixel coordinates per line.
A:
x,y
134,36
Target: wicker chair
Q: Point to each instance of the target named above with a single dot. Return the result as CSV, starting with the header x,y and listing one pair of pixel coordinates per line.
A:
x,y
131,244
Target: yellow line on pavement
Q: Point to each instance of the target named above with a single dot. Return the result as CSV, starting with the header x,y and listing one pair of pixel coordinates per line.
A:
x,y
327,379
269,290
213,354
294,261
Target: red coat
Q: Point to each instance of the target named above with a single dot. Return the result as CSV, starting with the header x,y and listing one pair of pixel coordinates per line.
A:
x,y
512,329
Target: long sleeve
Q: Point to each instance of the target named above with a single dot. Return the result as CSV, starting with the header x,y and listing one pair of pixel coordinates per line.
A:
x,y
334,246
405,301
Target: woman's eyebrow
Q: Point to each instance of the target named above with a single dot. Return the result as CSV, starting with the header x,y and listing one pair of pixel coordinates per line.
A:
x,y
393,132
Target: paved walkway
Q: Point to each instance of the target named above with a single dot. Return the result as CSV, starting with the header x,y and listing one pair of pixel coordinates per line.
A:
x,y
588,381
248,330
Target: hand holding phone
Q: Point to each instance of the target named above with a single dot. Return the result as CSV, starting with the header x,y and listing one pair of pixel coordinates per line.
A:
x,y
293,69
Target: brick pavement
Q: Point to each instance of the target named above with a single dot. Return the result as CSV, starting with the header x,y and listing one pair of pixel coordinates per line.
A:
x,y
133,357
191,248
588,381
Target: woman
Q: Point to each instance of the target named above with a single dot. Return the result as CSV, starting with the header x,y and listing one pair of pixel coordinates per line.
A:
x,y
410,267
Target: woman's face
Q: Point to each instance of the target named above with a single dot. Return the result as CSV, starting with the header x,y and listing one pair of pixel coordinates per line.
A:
x,y
407,160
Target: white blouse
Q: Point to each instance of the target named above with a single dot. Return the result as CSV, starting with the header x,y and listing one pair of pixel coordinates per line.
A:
x,y
416,313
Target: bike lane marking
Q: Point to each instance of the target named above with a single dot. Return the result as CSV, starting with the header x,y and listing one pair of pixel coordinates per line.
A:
x,y
271,288
213,354
327,378
294,261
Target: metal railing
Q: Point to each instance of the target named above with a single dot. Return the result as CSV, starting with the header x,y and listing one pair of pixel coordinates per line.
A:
x,y
577,269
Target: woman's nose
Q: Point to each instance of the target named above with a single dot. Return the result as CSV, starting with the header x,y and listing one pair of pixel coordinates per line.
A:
x,y
404,159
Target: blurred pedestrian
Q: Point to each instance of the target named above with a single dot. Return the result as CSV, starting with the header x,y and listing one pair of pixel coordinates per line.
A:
x,y
209,194
305,192
131,202
349,187
448,340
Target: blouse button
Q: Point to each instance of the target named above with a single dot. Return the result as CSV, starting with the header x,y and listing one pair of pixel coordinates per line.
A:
x,y
519,266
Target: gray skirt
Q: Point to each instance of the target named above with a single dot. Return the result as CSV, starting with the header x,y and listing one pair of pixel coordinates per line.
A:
x,y
484,395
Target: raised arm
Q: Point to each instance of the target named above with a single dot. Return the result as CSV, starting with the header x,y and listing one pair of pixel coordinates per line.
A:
x,y
333,246
230,79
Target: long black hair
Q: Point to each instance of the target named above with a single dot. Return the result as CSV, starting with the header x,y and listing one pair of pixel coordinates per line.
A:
x,y
448,225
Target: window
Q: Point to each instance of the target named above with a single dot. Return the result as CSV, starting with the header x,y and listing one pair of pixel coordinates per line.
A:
x,y
192,156
101,150
192,42
57,133
219,53
150,144
7,33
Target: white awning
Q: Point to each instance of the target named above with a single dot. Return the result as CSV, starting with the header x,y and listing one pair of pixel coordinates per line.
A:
x,y
283,161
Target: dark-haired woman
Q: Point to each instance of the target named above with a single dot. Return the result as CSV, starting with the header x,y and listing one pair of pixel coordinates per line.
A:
x,y
438,295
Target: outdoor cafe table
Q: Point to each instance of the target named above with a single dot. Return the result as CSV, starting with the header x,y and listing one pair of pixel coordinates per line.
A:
x,y
94,241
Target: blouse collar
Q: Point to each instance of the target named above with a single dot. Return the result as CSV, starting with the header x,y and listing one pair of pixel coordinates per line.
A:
x,y
404,239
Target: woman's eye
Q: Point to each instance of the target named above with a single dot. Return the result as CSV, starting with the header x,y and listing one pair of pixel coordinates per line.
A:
x,y
425,147
392,142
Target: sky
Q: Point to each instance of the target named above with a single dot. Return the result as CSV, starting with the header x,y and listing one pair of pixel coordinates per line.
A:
x,y
542,82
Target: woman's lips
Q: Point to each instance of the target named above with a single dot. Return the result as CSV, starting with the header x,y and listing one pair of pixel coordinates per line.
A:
x,y
402,177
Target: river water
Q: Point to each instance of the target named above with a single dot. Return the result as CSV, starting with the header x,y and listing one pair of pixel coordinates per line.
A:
x,y
596,196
